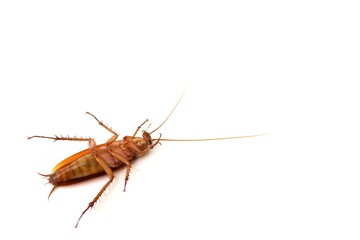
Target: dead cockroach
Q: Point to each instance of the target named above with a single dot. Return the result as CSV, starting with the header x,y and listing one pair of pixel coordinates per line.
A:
x,y
106,157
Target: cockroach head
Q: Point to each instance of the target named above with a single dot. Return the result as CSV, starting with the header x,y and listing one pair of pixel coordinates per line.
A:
x,y
147,137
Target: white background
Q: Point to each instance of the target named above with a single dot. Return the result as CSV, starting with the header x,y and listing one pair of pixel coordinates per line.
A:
x,y
287,69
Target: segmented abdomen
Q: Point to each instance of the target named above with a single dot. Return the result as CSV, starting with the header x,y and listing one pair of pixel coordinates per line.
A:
x,y
81,168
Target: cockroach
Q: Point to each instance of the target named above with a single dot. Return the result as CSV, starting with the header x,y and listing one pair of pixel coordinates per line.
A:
x,y
106,157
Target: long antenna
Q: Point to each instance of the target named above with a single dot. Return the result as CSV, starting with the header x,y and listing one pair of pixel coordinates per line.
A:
x,y
208,139
169,114
198,139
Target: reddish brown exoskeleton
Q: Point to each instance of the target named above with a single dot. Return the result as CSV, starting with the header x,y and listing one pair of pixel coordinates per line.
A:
x,y
106,157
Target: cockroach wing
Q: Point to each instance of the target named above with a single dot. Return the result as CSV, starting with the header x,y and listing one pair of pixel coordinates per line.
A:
x,y
71,159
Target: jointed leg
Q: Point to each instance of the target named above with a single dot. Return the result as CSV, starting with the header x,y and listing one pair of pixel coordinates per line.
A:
x,y
113,138
111,178
67,138
104,165
56,138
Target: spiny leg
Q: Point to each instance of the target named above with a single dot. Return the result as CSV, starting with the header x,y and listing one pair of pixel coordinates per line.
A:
x,y
67,138
105,166
61,138
91,141
114,137
111,178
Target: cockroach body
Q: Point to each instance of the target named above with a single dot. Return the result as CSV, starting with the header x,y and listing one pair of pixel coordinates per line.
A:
x,y
106,157
98,159
89,162
86,163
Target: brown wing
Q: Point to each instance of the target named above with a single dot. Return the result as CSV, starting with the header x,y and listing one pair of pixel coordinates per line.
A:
x,y
70,159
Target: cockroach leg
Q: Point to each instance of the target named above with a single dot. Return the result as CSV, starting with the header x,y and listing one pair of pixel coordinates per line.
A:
x,y
114,137
61,138
104,165
102,124
110,173
91,141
